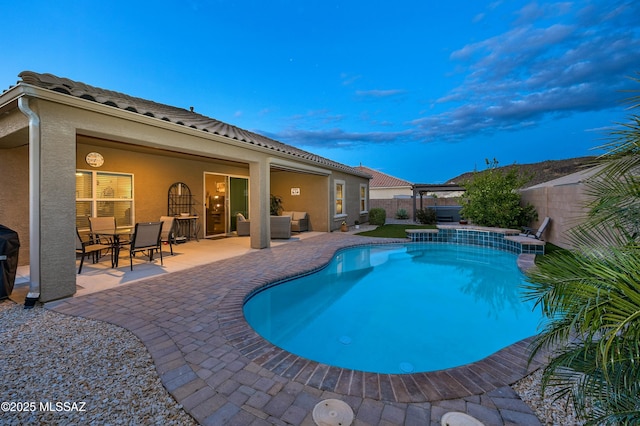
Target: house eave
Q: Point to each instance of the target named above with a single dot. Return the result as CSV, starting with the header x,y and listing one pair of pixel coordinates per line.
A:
x,y
25,89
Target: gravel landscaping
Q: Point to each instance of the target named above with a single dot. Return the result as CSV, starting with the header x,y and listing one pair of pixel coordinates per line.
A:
x,y
49,359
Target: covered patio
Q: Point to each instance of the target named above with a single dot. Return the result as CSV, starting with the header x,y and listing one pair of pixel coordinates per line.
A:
x,y
74,151
96,277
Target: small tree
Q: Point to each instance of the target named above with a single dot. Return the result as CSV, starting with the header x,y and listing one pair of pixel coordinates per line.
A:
x,y
492,199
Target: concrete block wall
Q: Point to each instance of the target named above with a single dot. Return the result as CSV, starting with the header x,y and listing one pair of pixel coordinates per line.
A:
x,y
392,205
564,204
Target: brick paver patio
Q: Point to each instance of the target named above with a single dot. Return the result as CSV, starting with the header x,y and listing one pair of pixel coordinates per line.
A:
x,y
223,373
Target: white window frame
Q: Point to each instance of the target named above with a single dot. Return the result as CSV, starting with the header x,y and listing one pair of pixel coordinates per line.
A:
x,y
342,199
95,199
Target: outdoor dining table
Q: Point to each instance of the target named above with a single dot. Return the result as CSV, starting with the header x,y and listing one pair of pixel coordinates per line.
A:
x,y
115,237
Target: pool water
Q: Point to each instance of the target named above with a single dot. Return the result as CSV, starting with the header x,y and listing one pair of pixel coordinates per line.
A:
x,y
398,309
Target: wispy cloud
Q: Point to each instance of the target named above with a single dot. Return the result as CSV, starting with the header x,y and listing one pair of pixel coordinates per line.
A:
x,y
380,93
541,69
557,59
339,138
349,79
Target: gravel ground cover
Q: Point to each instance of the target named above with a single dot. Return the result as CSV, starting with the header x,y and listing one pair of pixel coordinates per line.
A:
x,y
59,369
65,370
550,412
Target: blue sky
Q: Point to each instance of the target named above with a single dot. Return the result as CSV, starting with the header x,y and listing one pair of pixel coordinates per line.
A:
x,y
421,90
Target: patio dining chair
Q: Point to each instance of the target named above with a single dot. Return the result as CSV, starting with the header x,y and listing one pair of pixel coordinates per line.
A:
x,y
104,225
168,233
86,248
146,237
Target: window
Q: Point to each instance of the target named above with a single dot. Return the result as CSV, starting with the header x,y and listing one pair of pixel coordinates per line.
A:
x,y
363,198
340,198
101,194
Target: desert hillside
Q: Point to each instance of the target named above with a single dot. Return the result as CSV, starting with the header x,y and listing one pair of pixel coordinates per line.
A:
x,y
539,172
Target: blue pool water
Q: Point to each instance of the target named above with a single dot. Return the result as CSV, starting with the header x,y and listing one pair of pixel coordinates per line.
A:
x,y
399,308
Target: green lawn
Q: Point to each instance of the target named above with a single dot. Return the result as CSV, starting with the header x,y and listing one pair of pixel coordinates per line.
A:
x,y
393,231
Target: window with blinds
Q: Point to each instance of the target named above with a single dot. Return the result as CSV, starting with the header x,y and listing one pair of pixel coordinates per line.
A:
x,y
104,194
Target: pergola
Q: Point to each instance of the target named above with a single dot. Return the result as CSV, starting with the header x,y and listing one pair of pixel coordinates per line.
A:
x,y
421,189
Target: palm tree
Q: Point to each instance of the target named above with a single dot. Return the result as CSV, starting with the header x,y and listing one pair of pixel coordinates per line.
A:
x,y
590,295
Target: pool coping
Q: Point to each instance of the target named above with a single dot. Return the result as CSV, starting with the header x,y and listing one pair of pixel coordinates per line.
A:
x,y
504,367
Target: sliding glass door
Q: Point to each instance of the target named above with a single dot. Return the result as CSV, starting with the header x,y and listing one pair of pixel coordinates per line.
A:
x,y
225,196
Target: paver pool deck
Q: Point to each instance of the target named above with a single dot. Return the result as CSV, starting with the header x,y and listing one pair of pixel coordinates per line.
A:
x,y
223,373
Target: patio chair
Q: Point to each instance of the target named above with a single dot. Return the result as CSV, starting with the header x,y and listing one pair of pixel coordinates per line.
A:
x,y
299,220
537,234
168,233
86,248
146,237
242,225
280,227
104,225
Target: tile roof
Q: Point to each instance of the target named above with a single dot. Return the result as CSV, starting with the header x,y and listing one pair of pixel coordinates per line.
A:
x,y
381,180
174,115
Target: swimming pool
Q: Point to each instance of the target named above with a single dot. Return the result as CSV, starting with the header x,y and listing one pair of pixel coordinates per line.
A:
x,y
398,309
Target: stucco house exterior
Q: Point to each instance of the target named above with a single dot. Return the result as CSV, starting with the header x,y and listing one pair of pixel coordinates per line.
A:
x,y
69,150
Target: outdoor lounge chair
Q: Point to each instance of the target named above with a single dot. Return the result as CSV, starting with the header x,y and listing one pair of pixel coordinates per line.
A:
x,y
280,227
86,248
242,225
299,221
146,238
532,233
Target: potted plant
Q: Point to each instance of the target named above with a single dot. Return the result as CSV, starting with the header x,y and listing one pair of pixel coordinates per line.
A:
x,y
344,227
276,205
357,223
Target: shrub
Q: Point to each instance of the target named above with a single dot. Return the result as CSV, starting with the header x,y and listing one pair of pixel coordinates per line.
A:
x,y
402,214
492,199
426,216
377,216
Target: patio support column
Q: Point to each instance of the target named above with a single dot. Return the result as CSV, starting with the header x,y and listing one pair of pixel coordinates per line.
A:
x,y
413,189
259,184
56,206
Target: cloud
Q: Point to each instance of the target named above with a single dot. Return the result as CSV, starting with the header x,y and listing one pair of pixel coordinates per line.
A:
x,y
349,79
556,59
379,93
541,69
338,138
